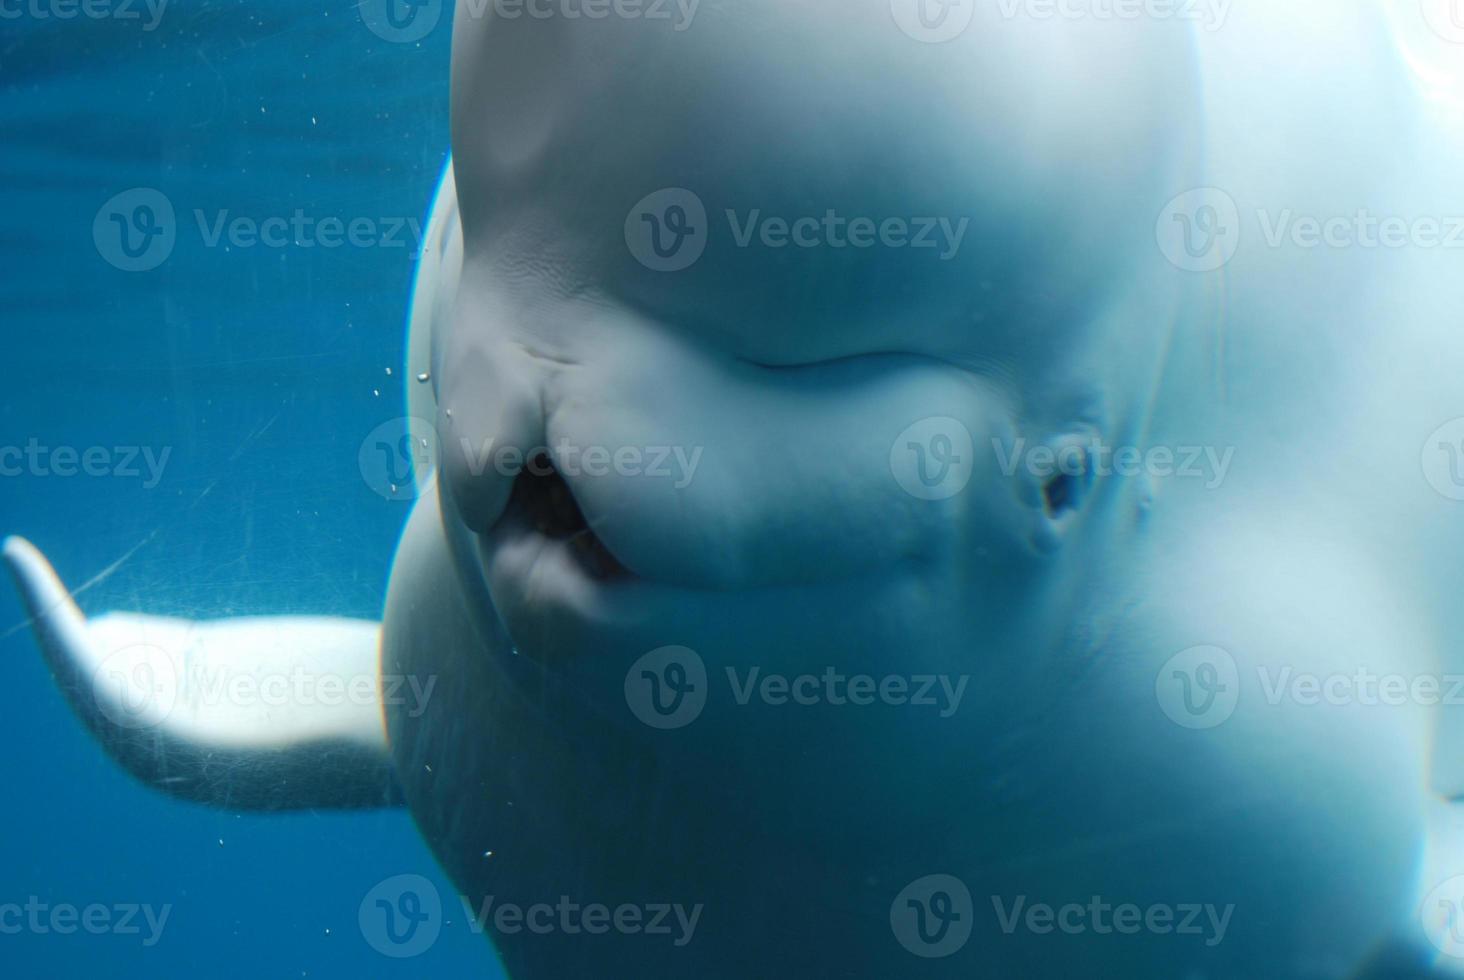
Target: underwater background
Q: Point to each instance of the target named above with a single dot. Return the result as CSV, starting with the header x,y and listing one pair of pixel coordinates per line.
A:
x,y
236,389
249,375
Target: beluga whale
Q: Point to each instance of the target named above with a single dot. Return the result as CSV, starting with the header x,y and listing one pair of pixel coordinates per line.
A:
x,y
938,489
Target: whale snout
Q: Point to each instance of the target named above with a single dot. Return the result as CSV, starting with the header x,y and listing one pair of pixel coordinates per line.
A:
x,y
687,468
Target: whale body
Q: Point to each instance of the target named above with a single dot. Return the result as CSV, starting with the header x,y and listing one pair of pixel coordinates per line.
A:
x,y
636,249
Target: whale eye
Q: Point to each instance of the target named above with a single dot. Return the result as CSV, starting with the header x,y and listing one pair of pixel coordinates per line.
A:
x,y
1064,490
1060,493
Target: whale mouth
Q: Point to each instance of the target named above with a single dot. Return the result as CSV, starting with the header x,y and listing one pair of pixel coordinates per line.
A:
x,y
541,501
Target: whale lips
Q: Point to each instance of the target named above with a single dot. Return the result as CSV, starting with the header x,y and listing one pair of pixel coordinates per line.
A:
x,y
541,499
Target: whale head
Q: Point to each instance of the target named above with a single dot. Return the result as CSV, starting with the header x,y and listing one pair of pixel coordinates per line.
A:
x,y
764,410
761,324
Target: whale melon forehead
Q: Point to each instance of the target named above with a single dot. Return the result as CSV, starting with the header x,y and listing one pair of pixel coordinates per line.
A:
x,y
1032,155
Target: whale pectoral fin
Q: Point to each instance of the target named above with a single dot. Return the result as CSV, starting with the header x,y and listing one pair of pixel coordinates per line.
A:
x,y
257,714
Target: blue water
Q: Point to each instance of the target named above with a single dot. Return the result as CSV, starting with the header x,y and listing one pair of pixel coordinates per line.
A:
x,y
259,370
